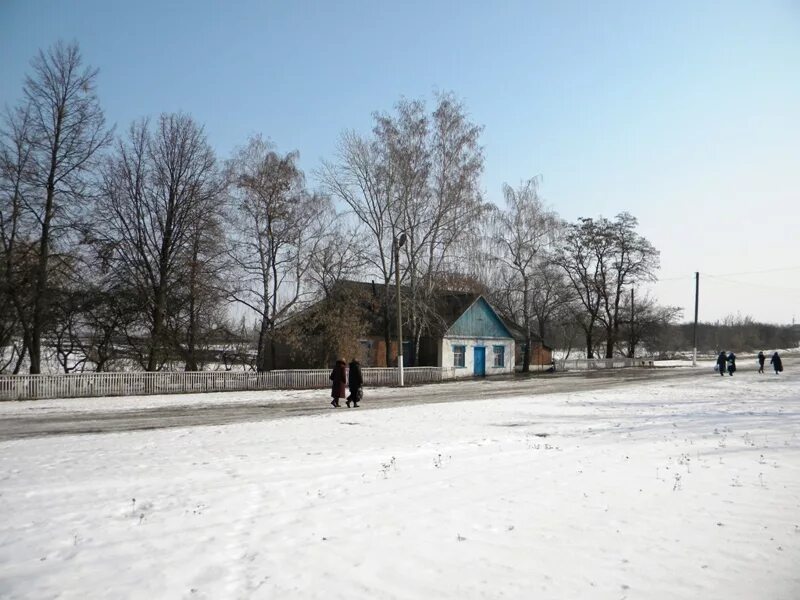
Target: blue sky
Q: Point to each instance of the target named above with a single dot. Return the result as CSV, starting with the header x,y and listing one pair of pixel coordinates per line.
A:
x,y
686,114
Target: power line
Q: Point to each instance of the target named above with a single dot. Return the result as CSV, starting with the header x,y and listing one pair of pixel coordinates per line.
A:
x,y
684,277
757,285
755,272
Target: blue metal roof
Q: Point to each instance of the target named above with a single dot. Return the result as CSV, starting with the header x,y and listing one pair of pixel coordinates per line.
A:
x,y
480,321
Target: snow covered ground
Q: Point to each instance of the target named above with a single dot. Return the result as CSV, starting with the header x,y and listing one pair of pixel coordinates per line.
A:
x,y
684,488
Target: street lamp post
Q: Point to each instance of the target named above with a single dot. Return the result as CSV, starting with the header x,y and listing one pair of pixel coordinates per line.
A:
x,y
398,242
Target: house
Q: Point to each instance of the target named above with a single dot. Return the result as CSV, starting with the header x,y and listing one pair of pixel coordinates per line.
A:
x,y
473,338
348,322
541,355
461,330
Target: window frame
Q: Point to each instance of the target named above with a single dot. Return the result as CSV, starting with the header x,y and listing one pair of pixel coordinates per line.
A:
x,y
463,353
501,354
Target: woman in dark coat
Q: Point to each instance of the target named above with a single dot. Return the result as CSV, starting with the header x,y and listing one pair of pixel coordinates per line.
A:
x,y
339,378
761,359
355,381
776,363
721,360
731,364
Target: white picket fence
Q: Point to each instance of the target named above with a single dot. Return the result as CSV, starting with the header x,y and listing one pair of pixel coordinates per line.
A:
x,y
81,385
594,363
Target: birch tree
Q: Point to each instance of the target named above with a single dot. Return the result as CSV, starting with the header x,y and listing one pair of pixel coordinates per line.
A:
x,y
401,143
340,254
360,177
447,214
278,228
524,233
418,175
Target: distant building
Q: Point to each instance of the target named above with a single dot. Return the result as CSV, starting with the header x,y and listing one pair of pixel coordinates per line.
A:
x,y
541,356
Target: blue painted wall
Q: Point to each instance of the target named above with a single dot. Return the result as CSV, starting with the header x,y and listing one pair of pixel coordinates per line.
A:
x,y
479,321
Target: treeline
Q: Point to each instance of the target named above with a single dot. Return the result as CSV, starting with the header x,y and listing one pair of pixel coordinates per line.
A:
x,y
133,249
739,334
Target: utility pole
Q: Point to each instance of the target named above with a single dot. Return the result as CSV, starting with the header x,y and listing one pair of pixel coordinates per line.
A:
x,y
696,304
397,244
630,350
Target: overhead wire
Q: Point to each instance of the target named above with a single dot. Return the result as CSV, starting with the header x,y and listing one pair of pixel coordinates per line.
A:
x,y
757,285
660,279
755,272
723,276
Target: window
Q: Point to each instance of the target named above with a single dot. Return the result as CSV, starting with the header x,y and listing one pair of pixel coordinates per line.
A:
x,y
459,354
499,356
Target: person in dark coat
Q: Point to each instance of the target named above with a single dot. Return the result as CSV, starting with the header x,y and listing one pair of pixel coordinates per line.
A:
x,y
731,364
761,359
355,381
339,378
776,363
721,362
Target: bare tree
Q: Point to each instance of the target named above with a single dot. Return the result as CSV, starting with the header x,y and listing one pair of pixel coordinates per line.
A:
x,y
417,175
645,322
362,178
18,251
550,294
457,162
236,347
565,329
580,254
278,226
158,187
401,145
198,315
602,258
67,329
340,255
524,233
67,129
632,260
441,220
110,309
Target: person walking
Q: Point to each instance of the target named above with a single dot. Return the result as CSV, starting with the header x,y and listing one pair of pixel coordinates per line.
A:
x,y
339,379
761,359
721,361
776,363
731,364
355,381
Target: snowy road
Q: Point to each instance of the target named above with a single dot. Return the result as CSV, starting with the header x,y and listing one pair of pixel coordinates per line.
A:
x,y
92,415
